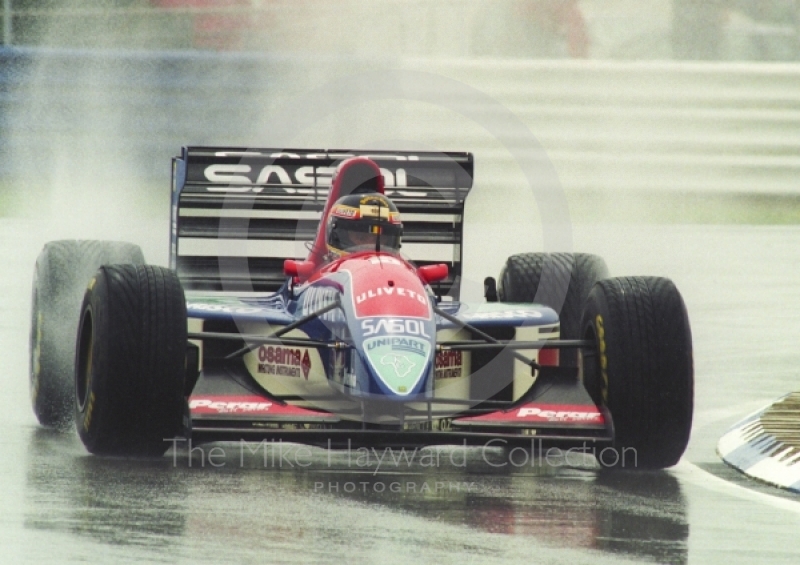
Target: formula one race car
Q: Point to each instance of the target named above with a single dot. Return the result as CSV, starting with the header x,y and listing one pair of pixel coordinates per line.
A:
x,y
289,312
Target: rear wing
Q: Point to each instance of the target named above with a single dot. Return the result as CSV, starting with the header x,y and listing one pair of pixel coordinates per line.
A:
x,y
238,213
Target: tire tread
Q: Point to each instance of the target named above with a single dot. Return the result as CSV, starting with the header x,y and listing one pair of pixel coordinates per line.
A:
x,y
650,370
63,268
141,384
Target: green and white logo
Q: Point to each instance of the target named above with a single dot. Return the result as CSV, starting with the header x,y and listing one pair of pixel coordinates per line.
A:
x,y
399,361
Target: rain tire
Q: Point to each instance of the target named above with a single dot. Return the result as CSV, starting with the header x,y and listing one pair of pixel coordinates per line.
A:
x,y
62,270
641,369
130,361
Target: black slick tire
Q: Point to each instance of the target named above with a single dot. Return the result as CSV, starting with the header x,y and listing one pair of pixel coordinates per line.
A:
x,y
561,281
130,361
63,268
641,369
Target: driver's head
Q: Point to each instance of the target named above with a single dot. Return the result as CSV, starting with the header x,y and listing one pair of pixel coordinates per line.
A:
x,y
357,221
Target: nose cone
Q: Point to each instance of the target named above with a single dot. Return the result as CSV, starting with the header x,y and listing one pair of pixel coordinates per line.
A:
x,y
385,286
393,322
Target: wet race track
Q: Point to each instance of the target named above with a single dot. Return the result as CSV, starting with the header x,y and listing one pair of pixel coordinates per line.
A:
x,y
235,504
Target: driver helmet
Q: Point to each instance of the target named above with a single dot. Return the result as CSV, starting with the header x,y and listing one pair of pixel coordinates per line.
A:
x,y
363,222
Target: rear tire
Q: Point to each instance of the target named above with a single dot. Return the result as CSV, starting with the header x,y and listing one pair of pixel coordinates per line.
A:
x,y
62,270
130,365
561,281
641,369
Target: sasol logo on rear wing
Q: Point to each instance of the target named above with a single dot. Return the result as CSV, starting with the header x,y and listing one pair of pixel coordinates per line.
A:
x,y
295,172
243,177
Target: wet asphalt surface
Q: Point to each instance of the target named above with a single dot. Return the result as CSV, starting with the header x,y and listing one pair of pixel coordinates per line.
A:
x,y
286,504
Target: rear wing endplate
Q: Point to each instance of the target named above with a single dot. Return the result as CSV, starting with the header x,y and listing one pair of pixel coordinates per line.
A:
x,y
238,213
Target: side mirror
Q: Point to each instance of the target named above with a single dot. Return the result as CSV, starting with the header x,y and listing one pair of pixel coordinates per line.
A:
x,y
433,273
299,269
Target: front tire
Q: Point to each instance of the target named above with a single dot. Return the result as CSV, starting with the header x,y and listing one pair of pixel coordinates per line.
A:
x,y
641,369
59,280
130,361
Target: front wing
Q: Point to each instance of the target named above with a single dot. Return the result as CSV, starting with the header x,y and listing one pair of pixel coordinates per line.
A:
x,y
559,411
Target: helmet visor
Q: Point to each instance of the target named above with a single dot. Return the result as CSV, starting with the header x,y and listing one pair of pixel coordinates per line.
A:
x,y
354,236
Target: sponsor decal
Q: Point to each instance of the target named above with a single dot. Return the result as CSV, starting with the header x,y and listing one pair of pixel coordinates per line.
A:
x,y
247,406
534,413
346,212
317,297
383,285
384,291
408,344
372,326
502,315
242,177
283,361
206,307
401,364
368,209
229,405
449,364
399,361
545,413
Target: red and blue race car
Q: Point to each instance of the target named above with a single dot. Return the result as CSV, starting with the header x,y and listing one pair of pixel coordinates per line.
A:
x,y
312,296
